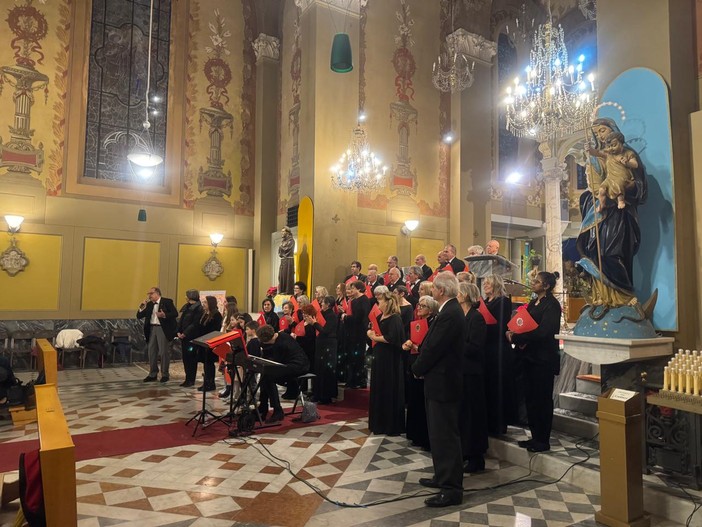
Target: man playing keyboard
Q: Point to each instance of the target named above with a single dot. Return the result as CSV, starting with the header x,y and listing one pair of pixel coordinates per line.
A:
x,y
279,347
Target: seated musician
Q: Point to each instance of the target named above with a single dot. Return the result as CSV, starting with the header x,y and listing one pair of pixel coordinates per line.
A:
x,y
279,347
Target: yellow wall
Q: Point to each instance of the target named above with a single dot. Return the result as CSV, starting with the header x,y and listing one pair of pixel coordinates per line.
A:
x,y
191,258
428,248
375,248
118,273
37,287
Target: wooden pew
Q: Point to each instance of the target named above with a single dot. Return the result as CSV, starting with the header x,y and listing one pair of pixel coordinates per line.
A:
x,y
47,360
58,460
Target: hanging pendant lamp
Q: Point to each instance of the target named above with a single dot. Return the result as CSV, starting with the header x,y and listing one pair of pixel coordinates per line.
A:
x,y
341,57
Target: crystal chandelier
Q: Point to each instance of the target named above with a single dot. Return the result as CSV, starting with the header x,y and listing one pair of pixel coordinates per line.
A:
x,y
358,168
452,71
556,97
588,8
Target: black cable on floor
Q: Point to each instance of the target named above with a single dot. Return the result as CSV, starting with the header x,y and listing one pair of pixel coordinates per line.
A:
x,y
695,505
283,463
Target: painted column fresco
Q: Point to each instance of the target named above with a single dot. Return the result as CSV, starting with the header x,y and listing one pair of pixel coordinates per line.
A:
x,y
36,49
220,103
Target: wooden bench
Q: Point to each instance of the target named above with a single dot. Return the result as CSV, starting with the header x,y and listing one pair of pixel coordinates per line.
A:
x,y
58,460
47,360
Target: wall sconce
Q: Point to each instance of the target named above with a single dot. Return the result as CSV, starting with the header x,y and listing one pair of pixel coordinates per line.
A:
x,y
12,259
409,226
213,268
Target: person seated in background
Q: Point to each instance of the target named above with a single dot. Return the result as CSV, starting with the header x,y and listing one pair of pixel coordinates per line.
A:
x,y
299,288
7,378
282,348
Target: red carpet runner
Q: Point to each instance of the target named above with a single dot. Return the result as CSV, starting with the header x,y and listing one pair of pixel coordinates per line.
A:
x,y
130,440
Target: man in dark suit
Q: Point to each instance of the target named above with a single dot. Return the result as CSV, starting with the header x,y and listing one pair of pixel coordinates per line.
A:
x,y
457,265
414,279
421,261
160,324
440,364
356,273
393,278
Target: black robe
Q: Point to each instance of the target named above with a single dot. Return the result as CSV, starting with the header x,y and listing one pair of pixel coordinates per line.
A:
x,y
325,385
499,368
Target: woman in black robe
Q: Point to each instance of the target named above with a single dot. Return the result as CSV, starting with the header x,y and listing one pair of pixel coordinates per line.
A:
x,y
406,309
417,431
211,321
386,413
499,358
474,434
541,362
269,314
324,385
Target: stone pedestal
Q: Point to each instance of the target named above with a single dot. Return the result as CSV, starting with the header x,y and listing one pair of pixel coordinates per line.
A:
x,y
596,350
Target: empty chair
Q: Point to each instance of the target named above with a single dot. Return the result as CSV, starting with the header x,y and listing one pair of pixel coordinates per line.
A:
x,y
122,344
21,344
4,339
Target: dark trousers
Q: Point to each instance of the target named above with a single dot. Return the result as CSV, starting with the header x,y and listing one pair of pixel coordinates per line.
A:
x,y
189,361
474,432
538,395
445,439
274,375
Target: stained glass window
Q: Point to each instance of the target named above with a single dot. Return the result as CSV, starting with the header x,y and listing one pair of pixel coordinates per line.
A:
x,y
117,86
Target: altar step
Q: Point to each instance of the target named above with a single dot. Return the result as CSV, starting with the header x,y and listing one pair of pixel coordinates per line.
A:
x,y
574,423
576,414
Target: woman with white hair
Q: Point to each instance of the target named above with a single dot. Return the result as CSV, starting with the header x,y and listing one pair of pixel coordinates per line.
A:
x,y
499,357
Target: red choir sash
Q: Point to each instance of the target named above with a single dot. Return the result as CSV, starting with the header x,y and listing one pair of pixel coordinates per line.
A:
x,y
418,330
261,319
522,322
489,319
373,317
293,301
283,323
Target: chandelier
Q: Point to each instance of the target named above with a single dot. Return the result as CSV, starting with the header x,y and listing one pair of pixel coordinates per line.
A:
x,y
452,71
588,8
522,27
556,98
358,168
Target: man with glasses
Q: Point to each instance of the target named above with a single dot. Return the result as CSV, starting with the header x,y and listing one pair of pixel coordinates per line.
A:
x,y
160,323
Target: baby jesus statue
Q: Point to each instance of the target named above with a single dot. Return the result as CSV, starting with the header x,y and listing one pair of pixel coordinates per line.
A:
x,y
619,162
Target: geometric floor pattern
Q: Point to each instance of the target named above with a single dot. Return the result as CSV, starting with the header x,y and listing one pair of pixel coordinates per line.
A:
x,y
246,482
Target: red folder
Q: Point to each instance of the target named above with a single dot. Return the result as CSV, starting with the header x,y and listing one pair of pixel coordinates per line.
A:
x,y
369,291
283,324
261,319
320,319
433,275
300,329
448,268
522,322
346,304
293,301
418,330
351,279
489,319
373,317
315,304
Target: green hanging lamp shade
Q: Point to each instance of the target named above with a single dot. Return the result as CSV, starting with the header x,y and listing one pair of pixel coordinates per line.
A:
x,y
341,59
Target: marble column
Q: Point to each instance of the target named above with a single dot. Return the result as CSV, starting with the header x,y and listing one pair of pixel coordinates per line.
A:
x,y
553,174
267,50
472,161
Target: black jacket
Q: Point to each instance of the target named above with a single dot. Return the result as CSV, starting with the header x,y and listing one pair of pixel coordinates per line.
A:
x,y
189,321
427,272
457,265
474,347
540,347
168,324
356,324
286,351
440,359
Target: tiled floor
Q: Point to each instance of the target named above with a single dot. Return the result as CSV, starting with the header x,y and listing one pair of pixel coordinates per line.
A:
x,y
246,482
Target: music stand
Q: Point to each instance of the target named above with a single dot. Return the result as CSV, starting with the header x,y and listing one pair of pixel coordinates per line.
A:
x,y
217,342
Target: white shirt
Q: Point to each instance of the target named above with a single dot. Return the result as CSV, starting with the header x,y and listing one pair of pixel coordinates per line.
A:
x,y
154,318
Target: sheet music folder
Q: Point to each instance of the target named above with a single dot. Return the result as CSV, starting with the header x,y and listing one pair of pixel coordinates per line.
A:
x,y
215,338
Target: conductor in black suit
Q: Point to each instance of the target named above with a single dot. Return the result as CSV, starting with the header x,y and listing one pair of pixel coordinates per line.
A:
x,y
160,324
440,364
